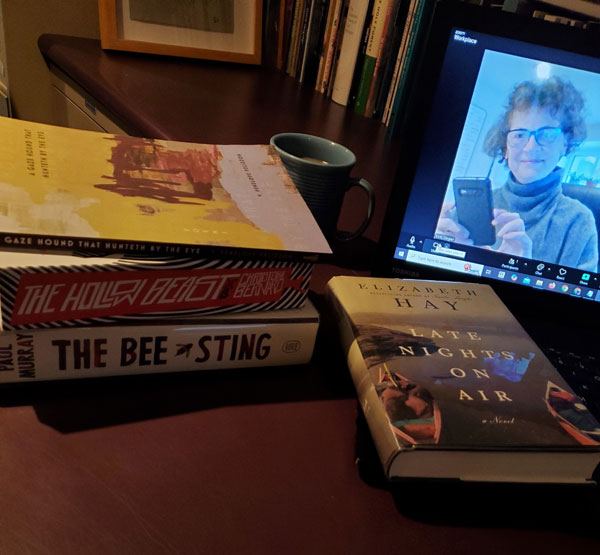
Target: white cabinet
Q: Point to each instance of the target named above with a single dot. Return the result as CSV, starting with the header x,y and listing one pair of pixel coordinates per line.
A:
x,y
70,108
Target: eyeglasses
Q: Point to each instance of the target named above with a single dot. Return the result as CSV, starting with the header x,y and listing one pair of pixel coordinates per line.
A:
x,y
544,136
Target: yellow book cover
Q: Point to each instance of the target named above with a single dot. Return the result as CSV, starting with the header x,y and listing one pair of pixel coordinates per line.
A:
x,y
452,387
79,191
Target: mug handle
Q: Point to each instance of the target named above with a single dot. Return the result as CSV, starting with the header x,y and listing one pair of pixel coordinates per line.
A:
x,y
368,188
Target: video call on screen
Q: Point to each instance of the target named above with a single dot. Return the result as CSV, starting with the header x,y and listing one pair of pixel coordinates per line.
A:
x,y
508,180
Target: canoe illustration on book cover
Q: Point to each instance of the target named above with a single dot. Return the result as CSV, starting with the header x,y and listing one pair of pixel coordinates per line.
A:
x,y
451,367
413,412
572,414
74,190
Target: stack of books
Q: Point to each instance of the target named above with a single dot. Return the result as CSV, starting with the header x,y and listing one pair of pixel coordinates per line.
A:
x,y
127,255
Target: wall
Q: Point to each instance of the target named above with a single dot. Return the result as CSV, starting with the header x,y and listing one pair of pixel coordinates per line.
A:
x,y
24,22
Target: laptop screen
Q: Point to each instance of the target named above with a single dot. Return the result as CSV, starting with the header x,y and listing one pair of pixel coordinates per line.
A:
x,y
502,181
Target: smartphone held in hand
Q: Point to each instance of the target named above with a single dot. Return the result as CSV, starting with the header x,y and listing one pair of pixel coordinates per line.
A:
x,y
474,208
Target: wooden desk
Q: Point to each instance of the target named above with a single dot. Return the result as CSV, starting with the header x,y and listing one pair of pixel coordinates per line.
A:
x,y
257,461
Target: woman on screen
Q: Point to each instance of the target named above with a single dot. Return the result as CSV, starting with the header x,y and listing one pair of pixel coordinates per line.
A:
x,y
533,218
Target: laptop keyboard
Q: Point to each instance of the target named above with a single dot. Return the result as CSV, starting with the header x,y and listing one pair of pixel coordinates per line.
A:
x,y
582,373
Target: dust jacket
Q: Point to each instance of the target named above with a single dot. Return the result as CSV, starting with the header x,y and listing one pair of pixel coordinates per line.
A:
x,y
51,290
217,342
452,387
83,192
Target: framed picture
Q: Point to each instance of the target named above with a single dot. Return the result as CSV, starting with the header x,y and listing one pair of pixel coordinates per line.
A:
x,y
225,30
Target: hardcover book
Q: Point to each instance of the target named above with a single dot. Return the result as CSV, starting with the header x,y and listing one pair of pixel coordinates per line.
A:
x,y
219,342
83,192
47,290
452,387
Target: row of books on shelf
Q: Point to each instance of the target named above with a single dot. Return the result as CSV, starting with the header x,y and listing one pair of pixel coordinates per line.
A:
x,y
364,53
361,53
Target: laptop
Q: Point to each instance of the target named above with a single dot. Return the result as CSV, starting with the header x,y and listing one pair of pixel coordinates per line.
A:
x,y
499,176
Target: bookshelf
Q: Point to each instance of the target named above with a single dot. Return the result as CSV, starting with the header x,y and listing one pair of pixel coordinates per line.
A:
x,y
387,34
364,51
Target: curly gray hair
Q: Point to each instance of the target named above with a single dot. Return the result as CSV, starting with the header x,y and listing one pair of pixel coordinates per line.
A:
x,y
560,97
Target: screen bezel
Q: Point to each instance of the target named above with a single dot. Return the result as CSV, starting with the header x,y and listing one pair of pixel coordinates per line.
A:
x,y
449,14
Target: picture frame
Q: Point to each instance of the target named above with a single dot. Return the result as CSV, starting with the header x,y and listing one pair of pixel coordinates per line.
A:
x,y
222,30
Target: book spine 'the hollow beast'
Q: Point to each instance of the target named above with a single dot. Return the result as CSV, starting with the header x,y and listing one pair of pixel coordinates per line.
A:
x,y
43,290
453,387
278,338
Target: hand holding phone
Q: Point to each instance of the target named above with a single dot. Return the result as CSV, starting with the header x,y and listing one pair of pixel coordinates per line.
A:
x,y
511,231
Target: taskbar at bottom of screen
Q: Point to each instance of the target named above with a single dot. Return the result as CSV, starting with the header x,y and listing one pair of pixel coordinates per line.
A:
x,y
482,270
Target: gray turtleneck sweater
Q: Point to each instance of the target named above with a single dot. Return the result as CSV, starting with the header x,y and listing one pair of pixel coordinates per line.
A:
x,y
563,230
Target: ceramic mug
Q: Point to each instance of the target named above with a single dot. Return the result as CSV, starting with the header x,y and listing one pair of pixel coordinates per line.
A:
x,y
320,169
